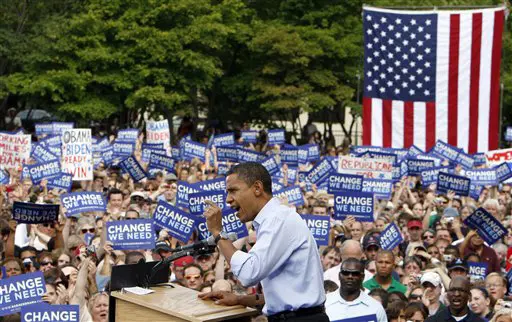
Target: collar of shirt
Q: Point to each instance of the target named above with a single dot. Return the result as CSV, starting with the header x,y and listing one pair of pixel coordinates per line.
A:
x,y
338,298
264,213
395,285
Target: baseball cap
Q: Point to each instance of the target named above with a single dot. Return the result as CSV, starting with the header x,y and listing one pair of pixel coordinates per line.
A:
x,y
171,177
162,245
371,240
138,194
450,212
458,263
432,278
414,223
184,261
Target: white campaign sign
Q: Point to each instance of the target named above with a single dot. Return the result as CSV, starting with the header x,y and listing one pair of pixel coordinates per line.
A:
x,y
158,132
496,157
369,168
77,153
15,150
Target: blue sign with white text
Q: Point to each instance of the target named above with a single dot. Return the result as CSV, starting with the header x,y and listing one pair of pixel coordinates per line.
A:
x,y
271,165
489,228
4,177
226,139
179,223
250,136
21,290
79,202
230,224
218,184
197,204
357,204
45,312
184,190
339,182
451,182
381,188
481,177
131,234
123,148
275,137
40,154
128,135
429,176
246,155
191,150
415,166
161,161
477,271
227,153
131,166
320,171
319,227
445,151
503,171
41,171
292,194
33,213
289,155
390,237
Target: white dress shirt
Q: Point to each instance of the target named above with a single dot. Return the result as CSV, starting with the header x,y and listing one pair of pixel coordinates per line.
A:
x,y
284,259
332,274
339,309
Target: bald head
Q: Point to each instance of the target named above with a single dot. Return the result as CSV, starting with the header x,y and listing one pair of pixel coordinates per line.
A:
x,y
351,249
460,282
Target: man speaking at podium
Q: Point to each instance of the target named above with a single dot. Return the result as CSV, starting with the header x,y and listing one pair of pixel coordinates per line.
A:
x,y
285,257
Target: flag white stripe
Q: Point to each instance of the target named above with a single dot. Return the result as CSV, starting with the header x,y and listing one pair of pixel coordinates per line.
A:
x,y
485,81
397,112
420,124
443,54
465,41
377,134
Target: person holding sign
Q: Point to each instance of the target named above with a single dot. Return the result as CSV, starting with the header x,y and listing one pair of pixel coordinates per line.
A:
x,y
293,289
473,243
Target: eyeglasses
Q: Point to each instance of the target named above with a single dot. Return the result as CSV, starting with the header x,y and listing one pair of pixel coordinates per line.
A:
x,y
47,225
493,285
189,277
91,230
428,236
353,273
414,297
46,263
129,218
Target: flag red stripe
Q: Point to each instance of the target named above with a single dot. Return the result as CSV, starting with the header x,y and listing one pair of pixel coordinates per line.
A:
x,y
430,126
386,123
408,123
367,121
474,82
453,78
494,112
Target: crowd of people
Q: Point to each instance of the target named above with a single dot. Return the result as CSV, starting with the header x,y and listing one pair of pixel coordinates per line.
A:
x,y
426,277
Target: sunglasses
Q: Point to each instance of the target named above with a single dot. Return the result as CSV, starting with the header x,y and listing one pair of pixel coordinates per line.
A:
x,y
189,277
91,230
428,236
47,225
353,273
46,263
414,297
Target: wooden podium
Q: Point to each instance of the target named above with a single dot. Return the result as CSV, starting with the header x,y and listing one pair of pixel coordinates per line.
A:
x,y
174,304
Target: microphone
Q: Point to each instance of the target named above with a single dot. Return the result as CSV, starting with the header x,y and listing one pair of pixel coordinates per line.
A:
x,y
210,241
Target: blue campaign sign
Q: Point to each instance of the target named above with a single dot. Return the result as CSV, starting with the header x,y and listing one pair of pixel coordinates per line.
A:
x,y
319,227
292,194
390,157
446,182
25,174
481,177
475,191
176,153
45,312
509,280
197,204
4,177
191,150
32,213
275,137
250,136
397,176
289,155
131,234
246,155
227,153
302,155
480,159
123,148
218,184
226,139
276,186
358,149
390,237
148,148
128,135
271,165
357,204
108,155
465,160
477,271
179,224
79,202
184,190
381,188
429,176
503,171
508,134
445,151
488,227
131,166
44,129
21,290
230,224
161,161
40,154
415,166
339,182
309,153
40,171
59,127
401,154
364,318
320,171
292,175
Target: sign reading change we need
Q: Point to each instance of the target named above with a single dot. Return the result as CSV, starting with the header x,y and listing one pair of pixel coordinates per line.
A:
x,y
179,223
357,204
79,202
131,234
20,290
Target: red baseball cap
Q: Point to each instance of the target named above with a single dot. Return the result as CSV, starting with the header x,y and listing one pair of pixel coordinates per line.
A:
x,y
415,223
184,261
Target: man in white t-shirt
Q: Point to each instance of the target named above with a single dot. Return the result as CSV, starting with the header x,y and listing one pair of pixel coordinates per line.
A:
x,y
349,249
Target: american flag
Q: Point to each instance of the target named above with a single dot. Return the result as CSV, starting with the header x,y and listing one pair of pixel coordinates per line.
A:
x,y
432,75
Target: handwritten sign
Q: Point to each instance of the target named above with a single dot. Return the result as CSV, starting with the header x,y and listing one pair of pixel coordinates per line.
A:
x,y
158,132
77,153
368,168
15,150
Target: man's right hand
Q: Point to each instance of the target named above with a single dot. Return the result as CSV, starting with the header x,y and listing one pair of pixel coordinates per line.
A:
x,y
221,297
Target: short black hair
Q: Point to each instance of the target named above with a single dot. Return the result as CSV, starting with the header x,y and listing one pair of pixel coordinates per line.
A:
x,y
354,261
114,191
250,172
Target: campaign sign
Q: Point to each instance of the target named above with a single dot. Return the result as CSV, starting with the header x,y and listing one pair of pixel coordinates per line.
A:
x,y
79,202
161,161
218,184
246,155
276,186
445,151
415,166
230,224
45,312
184,189
508,134
148,148
60,127
320,171
465,160
4,177
271,165
176,153
509,279
368,168
131,234
292,174
123,148
15,150
275,137
179,224
309,153
503,171
475,191
496,157
380,188
250,136
389,157
357,204
44,129
364,318
429,176
40,154
196,203
488,227
479,159
41,171
226,139
339,182
292,194
477,271
289,155
77,153
319,227
21,290
227,153
358,149
131,166
193,150
446,182
108,155
481,177
158,132
32,213
128,135
390,237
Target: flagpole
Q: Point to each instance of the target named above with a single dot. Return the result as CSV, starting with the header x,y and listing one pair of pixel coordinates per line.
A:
x,y
502,88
